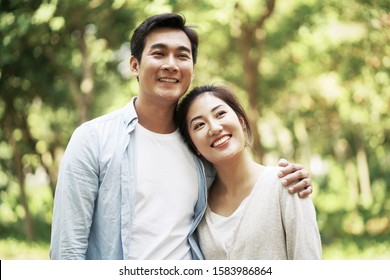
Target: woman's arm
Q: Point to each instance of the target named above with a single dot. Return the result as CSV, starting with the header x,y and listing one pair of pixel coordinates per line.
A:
x,y
303,240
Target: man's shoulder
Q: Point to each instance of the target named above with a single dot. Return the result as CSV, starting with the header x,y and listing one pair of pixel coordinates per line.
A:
x,y
107,117
104,125
124,114
209,171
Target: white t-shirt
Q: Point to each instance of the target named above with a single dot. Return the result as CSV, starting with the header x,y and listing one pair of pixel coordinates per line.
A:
x,y
224,225
166,194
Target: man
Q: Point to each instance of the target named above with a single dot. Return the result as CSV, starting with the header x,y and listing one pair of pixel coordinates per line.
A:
x,y
128,187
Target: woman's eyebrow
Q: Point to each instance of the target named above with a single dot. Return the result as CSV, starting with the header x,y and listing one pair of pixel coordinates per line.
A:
x,y
212,110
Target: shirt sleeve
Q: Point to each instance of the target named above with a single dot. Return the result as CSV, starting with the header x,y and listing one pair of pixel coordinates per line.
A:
x,y
302,234
75,196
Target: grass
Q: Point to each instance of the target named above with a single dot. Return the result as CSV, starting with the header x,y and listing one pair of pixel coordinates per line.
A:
x,y
13,249
350,250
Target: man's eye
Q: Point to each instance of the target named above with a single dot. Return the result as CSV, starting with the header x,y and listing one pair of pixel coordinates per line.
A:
x,y
184,55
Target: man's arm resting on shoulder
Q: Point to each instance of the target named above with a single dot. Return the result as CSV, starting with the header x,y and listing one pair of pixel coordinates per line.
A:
x,y
296,178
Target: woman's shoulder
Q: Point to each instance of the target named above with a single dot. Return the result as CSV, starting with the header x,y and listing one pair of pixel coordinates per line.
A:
x,y
268,181
270,173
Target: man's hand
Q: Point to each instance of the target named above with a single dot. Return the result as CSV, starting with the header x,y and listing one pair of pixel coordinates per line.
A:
x,y
295,175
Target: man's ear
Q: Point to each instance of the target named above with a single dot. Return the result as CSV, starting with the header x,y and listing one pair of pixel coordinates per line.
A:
x,y
134,66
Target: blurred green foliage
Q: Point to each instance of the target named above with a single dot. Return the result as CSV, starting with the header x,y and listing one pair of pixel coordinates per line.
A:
x,y
317,74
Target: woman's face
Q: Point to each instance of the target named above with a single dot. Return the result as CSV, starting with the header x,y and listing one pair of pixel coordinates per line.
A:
x,y
215,129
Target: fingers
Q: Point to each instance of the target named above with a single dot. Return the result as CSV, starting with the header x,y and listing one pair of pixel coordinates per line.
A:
x,y
296,178
283,162
300,186
306,192
291,169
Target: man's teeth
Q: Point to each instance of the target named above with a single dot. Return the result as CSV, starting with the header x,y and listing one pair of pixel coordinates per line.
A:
x,y
168,80
220,141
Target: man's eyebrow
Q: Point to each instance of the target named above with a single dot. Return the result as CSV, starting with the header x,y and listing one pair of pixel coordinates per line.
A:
x,y
164,46
183,48
212,110
159,46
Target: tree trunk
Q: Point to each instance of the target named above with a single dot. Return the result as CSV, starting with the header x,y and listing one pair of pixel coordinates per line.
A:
x,y
87,83
17,161
252,51
82,92
364,176
252,80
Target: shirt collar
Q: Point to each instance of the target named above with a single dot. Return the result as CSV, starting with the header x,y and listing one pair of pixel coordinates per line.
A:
x,y
130,115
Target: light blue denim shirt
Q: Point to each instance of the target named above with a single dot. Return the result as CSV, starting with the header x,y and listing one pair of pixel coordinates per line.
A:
x,y
94,198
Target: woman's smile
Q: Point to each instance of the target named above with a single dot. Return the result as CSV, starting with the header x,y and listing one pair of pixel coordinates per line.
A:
x,y
220,141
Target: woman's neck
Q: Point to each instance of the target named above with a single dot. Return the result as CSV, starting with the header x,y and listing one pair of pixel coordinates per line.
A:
x,y
235,181
238,174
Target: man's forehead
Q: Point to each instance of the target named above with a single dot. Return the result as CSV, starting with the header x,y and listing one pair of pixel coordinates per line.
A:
x,y
167,37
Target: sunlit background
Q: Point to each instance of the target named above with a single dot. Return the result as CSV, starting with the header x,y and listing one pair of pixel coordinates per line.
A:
x,y
313,75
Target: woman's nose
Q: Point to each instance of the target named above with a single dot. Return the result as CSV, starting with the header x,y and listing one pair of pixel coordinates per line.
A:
x,y
215,128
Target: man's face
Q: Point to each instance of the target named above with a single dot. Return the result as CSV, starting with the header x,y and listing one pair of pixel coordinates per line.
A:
x,y
166,68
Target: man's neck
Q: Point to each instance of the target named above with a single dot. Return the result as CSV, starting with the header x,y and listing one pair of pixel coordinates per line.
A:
x,y
156,117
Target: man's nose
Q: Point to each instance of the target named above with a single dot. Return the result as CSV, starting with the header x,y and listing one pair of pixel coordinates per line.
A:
x,y
170,63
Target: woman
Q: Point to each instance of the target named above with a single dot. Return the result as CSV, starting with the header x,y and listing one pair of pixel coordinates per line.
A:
x,y
249,214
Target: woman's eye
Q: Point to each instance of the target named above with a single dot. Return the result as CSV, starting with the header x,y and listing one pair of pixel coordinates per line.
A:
x,y
221,113
198,126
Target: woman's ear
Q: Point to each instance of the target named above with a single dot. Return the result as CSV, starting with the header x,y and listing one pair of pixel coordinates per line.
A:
x,y
242,122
